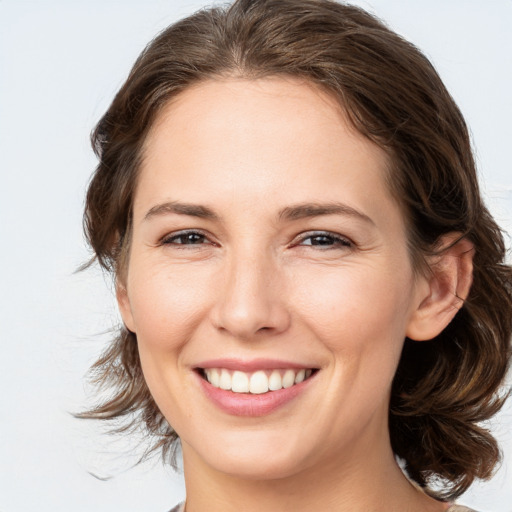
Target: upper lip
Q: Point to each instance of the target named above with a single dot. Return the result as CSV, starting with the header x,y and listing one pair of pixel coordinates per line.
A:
x,y
252,364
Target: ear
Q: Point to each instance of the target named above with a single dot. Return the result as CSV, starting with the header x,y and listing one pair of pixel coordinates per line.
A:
x,y
443,289
123,302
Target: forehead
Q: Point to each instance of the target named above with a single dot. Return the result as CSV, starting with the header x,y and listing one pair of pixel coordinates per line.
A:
x,y
276,138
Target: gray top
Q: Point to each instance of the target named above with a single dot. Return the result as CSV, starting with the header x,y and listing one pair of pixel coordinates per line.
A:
x,y
453,508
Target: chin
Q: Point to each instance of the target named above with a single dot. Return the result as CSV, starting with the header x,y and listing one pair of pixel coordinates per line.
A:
x,y
262,469
257,457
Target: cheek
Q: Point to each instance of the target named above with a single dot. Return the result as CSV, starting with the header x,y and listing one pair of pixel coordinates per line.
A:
x,y
353,309
167,302
168,305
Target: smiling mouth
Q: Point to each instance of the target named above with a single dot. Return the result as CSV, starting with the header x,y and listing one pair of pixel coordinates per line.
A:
x,y
258,382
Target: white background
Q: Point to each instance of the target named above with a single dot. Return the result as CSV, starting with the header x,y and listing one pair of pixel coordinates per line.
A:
x,y
60,65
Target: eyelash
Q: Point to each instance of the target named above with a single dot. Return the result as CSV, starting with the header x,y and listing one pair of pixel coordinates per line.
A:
x,y
171,239
336,239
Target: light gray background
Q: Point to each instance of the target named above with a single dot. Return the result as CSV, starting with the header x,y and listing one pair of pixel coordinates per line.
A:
x,y
60,64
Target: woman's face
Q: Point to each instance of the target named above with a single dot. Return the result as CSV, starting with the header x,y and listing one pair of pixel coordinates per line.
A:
x,y
267,249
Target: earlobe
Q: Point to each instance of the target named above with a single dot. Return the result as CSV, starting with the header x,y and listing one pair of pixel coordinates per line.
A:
x,y
444,289
123,303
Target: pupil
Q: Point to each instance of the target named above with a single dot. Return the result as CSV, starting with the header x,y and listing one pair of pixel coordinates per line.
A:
x,y
193,238
321,240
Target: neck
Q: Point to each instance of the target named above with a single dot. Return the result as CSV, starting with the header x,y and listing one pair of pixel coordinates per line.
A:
x,y
361,481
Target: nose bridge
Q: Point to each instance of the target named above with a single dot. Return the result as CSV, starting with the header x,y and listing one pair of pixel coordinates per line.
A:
x,y
249,302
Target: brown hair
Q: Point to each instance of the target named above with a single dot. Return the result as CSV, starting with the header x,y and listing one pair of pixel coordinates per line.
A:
x,y
444,388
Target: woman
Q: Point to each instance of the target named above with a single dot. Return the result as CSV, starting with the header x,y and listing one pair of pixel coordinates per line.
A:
x,y
310,284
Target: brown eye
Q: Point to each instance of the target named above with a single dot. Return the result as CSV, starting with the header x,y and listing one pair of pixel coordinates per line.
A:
x,y
325,240
186,238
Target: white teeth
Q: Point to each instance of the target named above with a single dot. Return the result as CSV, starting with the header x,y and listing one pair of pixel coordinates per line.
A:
x,y
275,381
258,383
301,374
288,379
239,382
225,380
214,377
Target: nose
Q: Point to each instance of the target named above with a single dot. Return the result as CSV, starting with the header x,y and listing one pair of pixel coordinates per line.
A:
x,y
251,300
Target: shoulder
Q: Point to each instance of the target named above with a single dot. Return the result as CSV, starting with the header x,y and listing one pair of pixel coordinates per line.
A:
x,y
181,507
453,508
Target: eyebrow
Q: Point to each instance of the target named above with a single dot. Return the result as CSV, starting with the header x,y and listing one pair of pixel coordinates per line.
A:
x,y
289,213
192,210
306,210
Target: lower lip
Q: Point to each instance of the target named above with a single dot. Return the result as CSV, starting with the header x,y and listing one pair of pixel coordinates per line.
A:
x,y
248,404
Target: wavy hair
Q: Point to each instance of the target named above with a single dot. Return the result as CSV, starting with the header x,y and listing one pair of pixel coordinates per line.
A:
x,y
444,388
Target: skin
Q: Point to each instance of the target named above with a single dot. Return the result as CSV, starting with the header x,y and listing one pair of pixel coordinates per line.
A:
x,y
256,284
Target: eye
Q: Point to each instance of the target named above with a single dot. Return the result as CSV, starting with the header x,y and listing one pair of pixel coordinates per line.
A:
x,y
185,238
324,240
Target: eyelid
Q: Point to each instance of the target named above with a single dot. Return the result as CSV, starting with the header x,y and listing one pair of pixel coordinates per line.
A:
x,y
343,240
167,238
